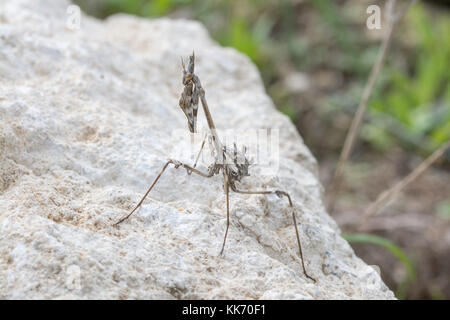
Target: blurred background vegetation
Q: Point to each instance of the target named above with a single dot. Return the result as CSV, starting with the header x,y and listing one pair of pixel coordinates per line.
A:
x,y
315,57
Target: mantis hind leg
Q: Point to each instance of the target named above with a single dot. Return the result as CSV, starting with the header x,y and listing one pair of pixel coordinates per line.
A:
x,y
280,194
227,195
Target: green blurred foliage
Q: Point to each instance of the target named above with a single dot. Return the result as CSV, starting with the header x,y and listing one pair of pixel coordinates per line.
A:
x,y
153,8
411,103
411,274
443,209
416,102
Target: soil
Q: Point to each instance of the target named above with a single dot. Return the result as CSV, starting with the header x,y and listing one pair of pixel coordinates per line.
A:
x,y
417,221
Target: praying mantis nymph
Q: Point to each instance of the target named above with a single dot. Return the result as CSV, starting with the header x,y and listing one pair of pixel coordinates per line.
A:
x,y
232,164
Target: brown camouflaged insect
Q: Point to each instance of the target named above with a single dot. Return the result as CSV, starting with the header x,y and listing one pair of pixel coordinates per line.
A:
x,y
232,171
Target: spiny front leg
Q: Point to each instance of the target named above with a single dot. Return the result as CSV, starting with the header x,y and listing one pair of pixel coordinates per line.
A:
x,y
280,194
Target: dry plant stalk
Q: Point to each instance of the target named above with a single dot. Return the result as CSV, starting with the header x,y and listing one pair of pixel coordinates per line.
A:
x,y
388,195
391,19
233,170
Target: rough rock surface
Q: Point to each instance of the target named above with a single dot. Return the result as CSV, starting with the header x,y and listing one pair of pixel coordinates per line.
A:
x,y
85,123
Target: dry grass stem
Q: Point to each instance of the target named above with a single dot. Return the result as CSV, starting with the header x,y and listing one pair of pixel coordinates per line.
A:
x,y
391,19
388,195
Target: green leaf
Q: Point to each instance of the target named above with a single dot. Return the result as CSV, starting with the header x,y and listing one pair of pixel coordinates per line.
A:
x,y
443,209
394,249
385,243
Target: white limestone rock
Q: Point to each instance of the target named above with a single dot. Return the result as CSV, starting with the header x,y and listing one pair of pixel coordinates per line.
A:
x,y
86,118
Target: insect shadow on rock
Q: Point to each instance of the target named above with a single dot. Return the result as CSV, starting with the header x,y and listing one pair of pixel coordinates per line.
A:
x,y
233,164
